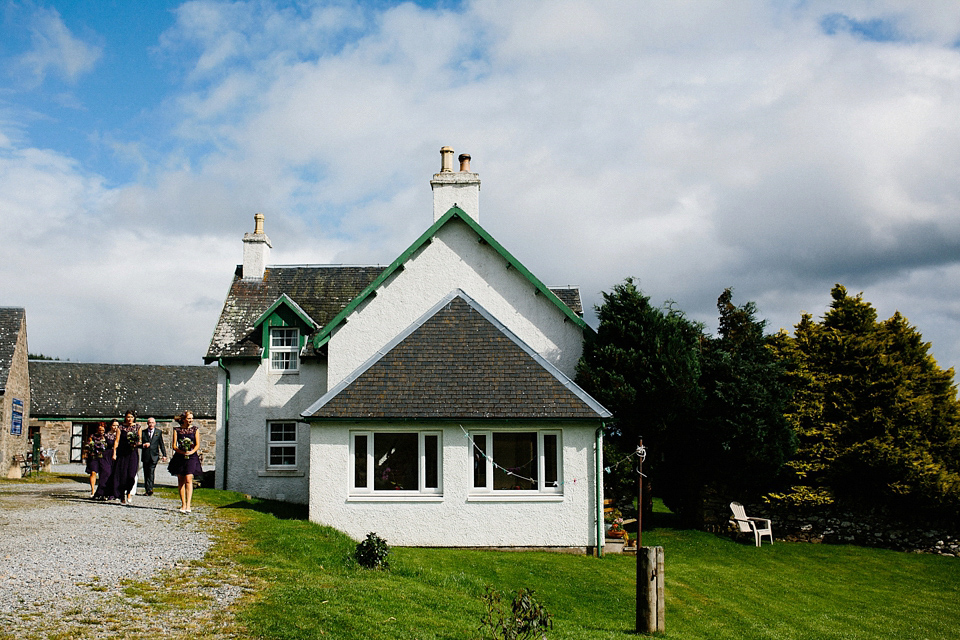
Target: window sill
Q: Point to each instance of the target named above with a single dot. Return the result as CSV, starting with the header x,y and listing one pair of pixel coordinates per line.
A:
x,y
281,473
284,372
388,497
510,497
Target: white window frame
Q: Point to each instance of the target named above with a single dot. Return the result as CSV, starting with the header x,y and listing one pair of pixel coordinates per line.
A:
x,y
293,350
487,459
422,489
277,444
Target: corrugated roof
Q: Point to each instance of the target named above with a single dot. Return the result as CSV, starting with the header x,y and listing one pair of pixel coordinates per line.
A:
x,y
11,319
457,362
83,390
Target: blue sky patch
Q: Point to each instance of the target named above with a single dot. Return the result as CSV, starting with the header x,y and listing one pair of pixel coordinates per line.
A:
x,y
874,30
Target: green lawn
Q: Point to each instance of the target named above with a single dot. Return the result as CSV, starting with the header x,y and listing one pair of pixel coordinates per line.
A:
x,y
715,587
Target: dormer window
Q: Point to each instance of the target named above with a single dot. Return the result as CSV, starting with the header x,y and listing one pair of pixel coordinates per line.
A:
x,y
284,350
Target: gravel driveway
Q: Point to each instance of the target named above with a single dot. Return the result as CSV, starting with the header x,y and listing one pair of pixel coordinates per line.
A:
x,y
72,567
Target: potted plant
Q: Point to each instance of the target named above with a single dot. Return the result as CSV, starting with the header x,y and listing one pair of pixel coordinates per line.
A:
x,y
614,524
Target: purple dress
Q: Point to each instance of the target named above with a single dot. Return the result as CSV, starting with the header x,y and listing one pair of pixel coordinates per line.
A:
x,y
128,461
96,452
106,487
180,465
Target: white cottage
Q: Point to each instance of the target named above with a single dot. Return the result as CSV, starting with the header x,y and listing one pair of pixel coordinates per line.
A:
x,y
431,401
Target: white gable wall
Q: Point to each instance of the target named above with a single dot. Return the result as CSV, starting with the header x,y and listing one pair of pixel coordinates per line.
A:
x,y
455,259
458,518
256,397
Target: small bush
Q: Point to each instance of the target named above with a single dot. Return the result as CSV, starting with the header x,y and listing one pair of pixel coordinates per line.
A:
x,y
526,619
372,553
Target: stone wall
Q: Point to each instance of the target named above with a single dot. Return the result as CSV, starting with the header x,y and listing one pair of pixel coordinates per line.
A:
x,y
17,385
833,524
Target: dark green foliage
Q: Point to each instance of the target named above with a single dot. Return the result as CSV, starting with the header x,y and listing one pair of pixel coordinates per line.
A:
x,y
877,419
372,552
744,438
643,365
527,617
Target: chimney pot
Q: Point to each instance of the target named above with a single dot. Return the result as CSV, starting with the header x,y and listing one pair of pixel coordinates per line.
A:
x,y
455,188
446,159
258,223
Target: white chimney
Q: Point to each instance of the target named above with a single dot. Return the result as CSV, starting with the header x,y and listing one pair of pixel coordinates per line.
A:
x,y
256,251
460,188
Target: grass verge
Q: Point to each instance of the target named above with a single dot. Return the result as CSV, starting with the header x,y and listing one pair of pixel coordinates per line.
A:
x,y
307,585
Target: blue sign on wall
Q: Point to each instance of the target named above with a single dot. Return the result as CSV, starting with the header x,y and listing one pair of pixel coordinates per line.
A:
x,y
16,424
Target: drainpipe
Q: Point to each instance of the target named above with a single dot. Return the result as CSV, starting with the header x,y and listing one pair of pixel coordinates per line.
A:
x,y
226,419
599,455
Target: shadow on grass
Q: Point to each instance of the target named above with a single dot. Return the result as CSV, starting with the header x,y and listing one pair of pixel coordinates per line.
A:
x,y
279,510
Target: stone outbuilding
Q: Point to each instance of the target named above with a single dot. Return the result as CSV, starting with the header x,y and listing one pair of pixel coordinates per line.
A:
x,y
70,399
14,386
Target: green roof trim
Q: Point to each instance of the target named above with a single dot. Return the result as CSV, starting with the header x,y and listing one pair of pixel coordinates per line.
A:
x,y
323,336
285,300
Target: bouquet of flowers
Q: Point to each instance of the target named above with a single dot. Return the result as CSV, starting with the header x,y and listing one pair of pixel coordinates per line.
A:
x,y
99,446
133,439
91,448
186,444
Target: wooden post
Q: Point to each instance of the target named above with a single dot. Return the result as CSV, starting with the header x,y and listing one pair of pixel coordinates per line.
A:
x,y
650,601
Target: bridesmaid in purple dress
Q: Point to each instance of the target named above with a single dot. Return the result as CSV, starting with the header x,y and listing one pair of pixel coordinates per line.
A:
x,y
185,463
126,454
106,487
96,448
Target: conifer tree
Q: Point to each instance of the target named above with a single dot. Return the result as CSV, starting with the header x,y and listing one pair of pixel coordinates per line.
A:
x,y
877,419
744,437
643,365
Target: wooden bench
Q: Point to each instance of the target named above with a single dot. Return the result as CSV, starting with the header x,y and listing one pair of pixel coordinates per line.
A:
x,y
21,461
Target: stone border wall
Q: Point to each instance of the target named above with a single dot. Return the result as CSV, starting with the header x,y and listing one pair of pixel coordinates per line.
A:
x,y
836,525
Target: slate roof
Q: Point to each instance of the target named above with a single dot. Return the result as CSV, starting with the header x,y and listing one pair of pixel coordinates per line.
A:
x,y
457,362
570,296
321,291
11,318
81,390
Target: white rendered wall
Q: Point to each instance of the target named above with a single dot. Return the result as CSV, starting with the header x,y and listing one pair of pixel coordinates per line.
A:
x,y
455,259
257,396
457,518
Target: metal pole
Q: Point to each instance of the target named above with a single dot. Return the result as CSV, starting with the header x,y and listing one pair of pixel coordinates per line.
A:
x,y
641,573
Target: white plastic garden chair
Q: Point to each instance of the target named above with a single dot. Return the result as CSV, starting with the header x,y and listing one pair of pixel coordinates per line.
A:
x,y
758,526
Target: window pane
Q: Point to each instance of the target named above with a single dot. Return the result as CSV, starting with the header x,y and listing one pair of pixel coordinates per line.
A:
x,y
479,461
396,462
283,456
283,337
515,460
431,460
281,360
360,461
283,432
550,460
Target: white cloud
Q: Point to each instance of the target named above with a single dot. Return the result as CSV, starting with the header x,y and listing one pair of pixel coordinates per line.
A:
x,y
56,50
695,145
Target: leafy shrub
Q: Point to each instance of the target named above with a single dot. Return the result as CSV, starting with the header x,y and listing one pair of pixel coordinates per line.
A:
x,y
372,552
526,619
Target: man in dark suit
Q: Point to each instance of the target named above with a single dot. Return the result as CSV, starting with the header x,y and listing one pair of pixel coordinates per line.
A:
x,y
153,451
